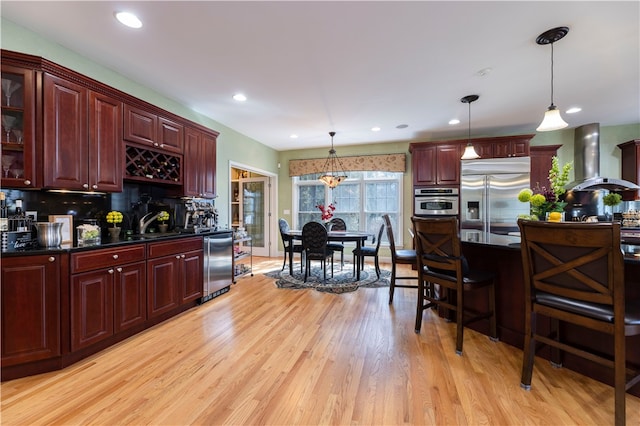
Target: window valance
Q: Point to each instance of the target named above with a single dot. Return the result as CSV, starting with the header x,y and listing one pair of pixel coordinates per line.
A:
x,y
384,163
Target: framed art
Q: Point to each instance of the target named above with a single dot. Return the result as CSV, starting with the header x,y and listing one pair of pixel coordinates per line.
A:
x,y
67,221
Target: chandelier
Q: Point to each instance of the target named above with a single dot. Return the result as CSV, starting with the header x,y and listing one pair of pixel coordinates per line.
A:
x,y
334,172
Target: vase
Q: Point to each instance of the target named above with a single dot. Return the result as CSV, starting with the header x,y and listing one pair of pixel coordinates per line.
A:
x,y
114,233
163,227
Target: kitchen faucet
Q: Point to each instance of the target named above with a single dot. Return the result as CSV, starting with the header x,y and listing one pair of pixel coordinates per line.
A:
x,y
146,220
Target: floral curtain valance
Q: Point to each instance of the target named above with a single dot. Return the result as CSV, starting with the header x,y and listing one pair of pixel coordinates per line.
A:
x,y
384,163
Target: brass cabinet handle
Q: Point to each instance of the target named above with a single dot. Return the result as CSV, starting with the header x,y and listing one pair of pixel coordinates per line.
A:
x,y
110,271
52,259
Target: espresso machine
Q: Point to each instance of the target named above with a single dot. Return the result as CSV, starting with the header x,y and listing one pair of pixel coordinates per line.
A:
x,y
195,216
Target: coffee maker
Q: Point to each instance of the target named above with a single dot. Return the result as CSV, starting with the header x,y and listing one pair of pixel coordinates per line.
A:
x,y
196,216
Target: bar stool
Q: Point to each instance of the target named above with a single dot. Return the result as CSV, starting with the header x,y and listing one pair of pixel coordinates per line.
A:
x,y
398,257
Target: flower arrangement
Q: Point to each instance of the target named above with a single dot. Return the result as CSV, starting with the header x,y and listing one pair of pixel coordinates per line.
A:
x,y
164,215
114,217
88,232
327,212
545,200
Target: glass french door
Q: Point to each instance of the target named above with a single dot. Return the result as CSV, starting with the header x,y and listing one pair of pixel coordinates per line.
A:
x,y
255,212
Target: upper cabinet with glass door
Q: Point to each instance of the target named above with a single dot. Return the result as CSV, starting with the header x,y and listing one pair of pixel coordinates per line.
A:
x,y
18,127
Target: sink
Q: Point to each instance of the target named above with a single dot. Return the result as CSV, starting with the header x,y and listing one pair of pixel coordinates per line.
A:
x,y
153,235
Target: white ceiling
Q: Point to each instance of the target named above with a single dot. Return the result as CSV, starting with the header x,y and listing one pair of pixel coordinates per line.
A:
x,y
312,67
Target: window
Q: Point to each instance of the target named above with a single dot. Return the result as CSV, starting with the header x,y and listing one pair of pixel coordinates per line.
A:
x,y
360,201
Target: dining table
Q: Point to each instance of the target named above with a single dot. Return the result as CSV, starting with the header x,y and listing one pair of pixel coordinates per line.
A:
x,y
359,237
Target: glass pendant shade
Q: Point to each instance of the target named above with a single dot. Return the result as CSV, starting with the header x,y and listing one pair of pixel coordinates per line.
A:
x,y
469,153
334,172
552,120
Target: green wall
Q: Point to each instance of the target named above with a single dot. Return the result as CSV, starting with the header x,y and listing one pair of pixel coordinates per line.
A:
x,y
233,146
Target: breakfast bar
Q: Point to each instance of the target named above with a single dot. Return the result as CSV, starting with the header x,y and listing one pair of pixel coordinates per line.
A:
x,y
501,255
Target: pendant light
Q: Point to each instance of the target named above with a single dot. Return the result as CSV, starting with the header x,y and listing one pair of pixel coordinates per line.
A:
x,y
334,172
552,119
469,152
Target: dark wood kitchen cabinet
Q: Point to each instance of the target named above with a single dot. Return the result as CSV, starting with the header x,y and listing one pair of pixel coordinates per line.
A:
x,y
631,166
435,163
199,164
503,146
18,124
31,308
152,131
82,134
541,164
174,275
108,293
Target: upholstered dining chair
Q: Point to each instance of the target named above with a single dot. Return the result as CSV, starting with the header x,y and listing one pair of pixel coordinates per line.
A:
x,y
398,257
441,263
289,243
574,272
369,251
314,242
337,224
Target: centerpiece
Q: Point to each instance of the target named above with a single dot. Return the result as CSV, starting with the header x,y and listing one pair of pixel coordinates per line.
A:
x,y
545,203
612,199
114,217
327,212
88,235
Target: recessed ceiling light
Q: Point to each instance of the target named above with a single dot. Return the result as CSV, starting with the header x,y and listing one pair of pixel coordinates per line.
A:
x,y
294,136
239,97
402,126
454,121
573,110
128,19
375,129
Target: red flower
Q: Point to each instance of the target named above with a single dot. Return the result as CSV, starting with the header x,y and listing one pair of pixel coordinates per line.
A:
x,y
327,212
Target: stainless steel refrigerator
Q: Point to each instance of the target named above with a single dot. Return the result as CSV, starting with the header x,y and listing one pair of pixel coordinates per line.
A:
x,y
489,194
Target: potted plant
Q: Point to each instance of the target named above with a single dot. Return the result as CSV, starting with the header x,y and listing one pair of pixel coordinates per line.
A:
x,y
114,217
162,217
546,203
611,200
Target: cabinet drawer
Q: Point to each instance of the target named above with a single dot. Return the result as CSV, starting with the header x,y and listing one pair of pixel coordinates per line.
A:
x,y
167,248
103,258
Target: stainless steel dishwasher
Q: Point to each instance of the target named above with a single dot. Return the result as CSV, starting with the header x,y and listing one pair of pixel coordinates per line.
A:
x,y
218,264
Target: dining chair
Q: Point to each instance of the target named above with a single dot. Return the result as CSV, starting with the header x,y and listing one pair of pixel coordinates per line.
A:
x,y
574,273
399,257
337,224
314,242
369,251
441,263
289,243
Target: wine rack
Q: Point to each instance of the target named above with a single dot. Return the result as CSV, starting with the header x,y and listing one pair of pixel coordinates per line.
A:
x,y
142,164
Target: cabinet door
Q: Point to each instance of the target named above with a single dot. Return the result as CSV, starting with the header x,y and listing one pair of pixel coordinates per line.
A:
x,y
65,134
163,285
130,296
192,163
18,140
208,172
105,143
448,164
30,308
513,148
484,149
170,135
423,160
191,280
140,126
91,307
631,167
541,164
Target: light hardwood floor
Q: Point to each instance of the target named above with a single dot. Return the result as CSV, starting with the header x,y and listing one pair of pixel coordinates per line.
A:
x,y
262,355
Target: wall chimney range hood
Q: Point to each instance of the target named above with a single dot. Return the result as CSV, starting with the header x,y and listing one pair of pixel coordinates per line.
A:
x,y
586,163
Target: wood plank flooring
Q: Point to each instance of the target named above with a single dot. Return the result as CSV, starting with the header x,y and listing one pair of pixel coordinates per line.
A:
x,y
263,355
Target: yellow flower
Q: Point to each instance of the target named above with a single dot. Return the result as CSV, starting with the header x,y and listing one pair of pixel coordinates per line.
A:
x,y
163,216
114,217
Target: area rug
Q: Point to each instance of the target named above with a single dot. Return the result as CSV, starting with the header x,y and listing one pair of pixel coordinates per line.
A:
x,y
343,280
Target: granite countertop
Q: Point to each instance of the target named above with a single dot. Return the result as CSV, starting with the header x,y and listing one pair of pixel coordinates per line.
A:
x,y
107,243
512,242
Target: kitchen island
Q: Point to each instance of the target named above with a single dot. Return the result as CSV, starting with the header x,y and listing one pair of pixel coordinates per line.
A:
x,y
501,255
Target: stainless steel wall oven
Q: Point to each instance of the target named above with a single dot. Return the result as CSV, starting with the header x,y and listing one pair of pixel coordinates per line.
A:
x,y
436,202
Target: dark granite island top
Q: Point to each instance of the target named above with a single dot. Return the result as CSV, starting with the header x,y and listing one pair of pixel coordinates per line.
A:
x,y
501,255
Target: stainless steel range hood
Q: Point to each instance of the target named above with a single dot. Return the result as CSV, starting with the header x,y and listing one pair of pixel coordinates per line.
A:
x,y
586,163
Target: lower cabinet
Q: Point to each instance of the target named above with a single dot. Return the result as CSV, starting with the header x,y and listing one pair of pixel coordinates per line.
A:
x,y
109,297
174,275
31,304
